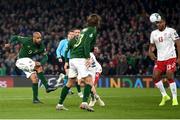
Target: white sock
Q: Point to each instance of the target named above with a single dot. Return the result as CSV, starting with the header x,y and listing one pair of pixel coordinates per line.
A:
x,y
173,90
160,86
84,103
96,96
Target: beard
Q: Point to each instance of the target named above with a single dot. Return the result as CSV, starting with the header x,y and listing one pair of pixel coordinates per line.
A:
x,y
38,44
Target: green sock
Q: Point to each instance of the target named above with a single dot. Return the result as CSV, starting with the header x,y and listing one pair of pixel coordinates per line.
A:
x,y
92,95
78,87
35,91
43,79
64,93
87,90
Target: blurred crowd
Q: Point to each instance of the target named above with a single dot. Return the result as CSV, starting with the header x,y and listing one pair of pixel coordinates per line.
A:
x,y
123,37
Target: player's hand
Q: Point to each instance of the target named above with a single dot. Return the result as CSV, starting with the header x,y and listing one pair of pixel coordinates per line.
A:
x,y
152,56
7,45
178,61
60,60
66,67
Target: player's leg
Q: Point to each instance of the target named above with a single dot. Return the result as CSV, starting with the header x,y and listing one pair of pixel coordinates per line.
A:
x,y
94,96
159,68
171,67
64,92
27,66
78,87
159,84
87,90
41,76
34,80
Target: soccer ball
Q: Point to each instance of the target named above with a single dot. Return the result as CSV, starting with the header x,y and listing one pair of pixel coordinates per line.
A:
x,y
155,17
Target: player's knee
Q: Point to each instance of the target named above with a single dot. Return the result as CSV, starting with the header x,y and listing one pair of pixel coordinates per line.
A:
x,y
88,80
70,83
170,77
156,79
34,78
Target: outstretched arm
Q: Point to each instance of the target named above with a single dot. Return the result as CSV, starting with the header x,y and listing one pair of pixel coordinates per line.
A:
x,y
15,38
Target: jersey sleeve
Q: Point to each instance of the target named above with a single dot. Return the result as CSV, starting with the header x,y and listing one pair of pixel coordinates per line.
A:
x,y
87,48
19,39
93,42
70,44
174,35
89,43
58,50
152,38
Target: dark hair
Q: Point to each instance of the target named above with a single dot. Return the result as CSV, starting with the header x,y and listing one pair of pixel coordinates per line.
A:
x,y
70,31
93,20
75,29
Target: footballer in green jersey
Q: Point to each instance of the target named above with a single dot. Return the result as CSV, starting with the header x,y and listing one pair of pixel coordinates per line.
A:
x,y
80,56
32,46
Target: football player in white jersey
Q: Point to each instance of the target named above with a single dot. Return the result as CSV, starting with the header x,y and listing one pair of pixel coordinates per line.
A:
x,y
164,39
95,70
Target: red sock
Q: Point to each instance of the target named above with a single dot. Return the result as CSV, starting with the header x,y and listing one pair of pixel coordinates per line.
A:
x,y
96,78
170,81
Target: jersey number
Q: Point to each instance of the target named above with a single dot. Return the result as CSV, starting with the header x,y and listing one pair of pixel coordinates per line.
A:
x,y
79,40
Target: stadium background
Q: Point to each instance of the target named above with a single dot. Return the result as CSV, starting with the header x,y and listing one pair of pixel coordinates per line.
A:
x,y
123,41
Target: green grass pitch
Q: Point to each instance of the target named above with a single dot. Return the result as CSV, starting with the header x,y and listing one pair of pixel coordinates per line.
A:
x,y
120,103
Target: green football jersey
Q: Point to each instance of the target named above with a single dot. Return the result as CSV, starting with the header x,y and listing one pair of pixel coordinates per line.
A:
x,y
81,47
29,49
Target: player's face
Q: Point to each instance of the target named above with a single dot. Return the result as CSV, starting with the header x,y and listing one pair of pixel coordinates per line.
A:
x,y
96,50
77,32
70,35
161,25
37,38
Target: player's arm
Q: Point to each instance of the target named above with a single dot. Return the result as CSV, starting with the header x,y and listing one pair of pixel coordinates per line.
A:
x,y
67,50
176,38
66,56
87,47
151,51
15,39
58,51
152,48
178,50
